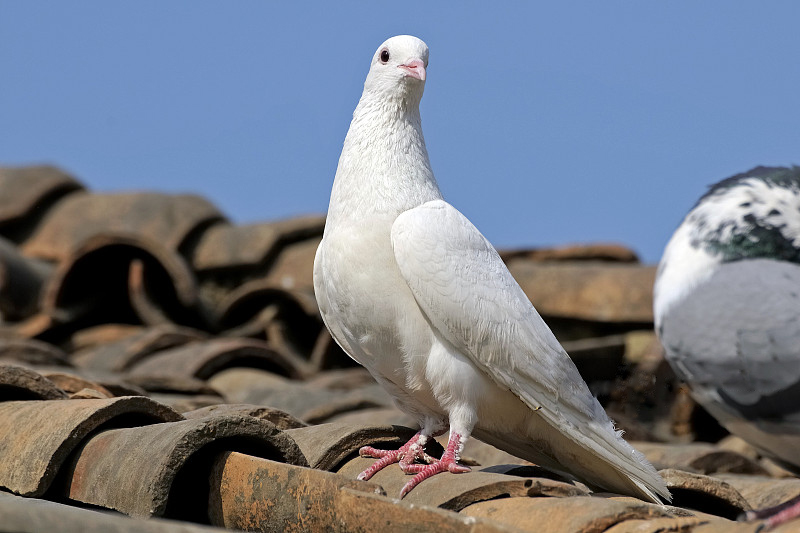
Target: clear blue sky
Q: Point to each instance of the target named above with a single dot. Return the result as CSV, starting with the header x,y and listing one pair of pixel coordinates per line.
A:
x,y
548,123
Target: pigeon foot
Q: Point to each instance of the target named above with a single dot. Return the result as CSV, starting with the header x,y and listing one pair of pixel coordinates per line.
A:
x,y
448,463
410,452
775,516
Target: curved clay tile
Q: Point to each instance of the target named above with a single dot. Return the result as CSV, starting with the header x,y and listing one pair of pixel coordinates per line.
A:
x,y
563,515
699,457
288,319
281,419
27,193
20,383
38,436
608,252
225,246
326,446
21,281
203,359
167,219
163,469
92,285
32,352
71,383
457,491
762,492
31,515
601,292
706,494
120,355
259,495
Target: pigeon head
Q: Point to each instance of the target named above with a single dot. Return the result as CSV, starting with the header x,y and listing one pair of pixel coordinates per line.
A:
x,y
398,69
753,215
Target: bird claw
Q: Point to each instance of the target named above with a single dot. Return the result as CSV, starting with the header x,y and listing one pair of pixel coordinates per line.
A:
x,y
423,472
410,452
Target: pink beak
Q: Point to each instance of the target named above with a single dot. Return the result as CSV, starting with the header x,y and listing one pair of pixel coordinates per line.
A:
x,y
414,68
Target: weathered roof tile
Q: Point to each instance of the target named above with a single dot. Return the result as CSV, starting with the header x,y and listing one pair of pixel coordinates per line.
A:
x,y
163,463
38,436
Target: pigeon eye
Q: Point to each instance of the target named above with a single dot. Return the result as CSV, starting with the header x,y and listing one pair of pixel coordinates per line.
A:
x,y
385,56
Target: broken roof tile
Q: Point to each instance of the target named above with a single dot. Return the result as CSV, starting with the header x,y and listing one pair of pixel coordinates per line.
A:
x,y
20,383
38,436
166,466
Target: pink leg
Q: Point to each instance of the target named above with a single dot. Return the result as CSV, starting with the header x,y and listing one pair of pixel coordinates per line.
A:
x,y
775,516
411,451
448,463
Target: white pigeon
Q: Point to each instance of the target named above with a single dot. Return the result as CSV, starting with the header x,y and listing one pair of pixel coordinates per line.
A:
x,y
727,307
411,290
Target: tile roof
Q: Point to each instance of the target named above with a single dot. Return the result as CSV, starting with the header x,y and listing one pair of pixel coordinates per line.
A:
x,y
159,361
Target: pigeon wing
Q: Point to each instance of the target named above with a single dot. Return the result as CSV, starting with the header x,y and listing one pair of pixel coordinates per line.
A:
x,y
470,297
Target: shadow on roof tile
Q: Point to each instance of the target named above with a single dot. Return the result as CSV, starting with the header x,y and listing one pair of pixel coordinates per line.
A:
x,y
38,436
162,469
327,446
97,284
118,355
704,493
21,283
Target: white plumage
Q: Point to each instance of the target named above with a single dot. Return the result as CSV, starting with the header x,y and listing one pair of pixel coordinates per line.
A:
x,y
410,289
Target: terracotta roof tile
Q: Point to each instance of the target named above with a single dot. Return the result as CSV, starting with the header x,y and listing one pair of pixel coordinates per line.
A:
x,y
31,515
203,359
167,219
605,292
327,446
166,461
20,383
119,355
38,436
220,323
557,515
26,193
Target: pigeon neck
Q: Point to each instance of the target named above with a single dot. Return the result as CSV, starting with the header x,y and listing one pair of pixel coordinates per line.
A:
x,y
384,168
